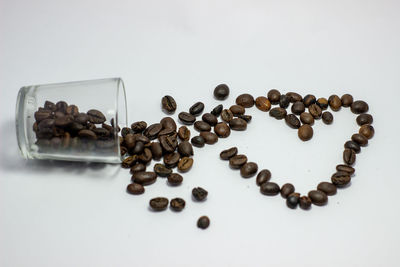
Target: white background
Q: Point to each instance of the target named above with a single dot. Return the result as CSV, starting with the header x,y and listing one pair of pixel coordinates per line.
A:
x,y
65,214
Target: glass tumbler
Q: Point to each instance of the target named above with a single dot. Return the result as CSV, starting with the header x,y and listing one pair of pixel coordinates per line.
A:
x,y
74,121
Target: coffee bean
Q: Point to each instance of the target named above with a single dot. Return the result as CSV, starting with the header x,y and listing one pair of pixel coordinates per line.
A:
x,y
237,110
138,167
168,104
144,178
345,168
168,123
248,170
328,188
278,113
284,101
135,189
210,119
161,170
263,104
129,161
269,188
237,161
217,110
349,156
228,153
245,100
294,97
353,145
327,117
263,176
63,121
315,111
292,200
221,92
125,131
87,134
152,131
340,179
175,179
95,116
309,100
138,126
307,118
196,109
101,133
184,133
287,189
367,130
246,118
226,115
72,110
168,143
82,118
334,102
305,202
203,222
159,203
156,150
50,105
185,164
45,124
141,138
222,130
177,204
146,156
317,197
137,149
359,107
360,139
123,150
61,106
322,103
202,126
199,193
198,141
171,159
238,124
209,137
274,96
305,132
364,119
298,108
292,121
185,149
129,141
347,100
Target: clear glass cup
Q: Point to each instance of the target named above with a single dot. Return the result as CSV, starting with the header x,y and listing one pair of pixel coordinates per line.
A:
x,y
59,129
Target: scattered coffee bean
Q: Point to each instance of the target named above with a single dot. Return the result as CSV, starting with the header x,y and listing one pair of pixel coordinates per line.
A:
x,y
305,202
221,92
139,126
294,97
209,137
322,103
307,118
159,203
161,170
317,197
129,161
345,168
292,121
246,118
202,126
168,123
237,110
185,149
171,159
228,153
222,130
210,119
168,143
177,204
347,100
185,164
327,117
156,150
359,106
186,118
138,167
315,111
278,113
263,176
248,169
353,145
137,149
269,188
292,200
245,100
367,130
349,156
168,104
305,132
309,100
125,131
284,101
199,193
262,103
237,161
198,141
203,222
144,178
334,102
153,130
175,179
96,116
184,133
135,189
287,189
364,119
217,110
360,139
196,109
340,179
146,156
238,124
226,115
274,96
328,188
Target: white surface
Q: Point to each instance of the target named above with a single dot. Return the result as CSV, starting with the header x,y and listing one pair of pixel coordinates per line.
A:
x,y
71,215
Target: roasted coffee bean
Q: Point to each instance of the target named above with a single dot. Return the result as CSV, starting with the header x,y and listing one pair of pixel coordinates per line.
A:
x,y
45,124
63,121
307,118
50,106
141,138
340,179
210,119
35,127
125,131
109,128
168,104
82,118
222,130
185,149
349,156
263,103
177,204
305,132
168,143
144,178
294,97
101,133
245,100
274,96
167,131
209,137
105,143
161,170
278,113
129,141
353,145
317,197
139,126
364,119
328,188
345,168
185,164
138,167
171,160
309,100
72,110
292,121
284,101
175,179
359,106
228,153
168,123
137,149
202,126
198,141
61,106
217,110
237,161
152,131
347,100
226,115
87,134
305,202
360,139
129,161
263,176
322,103
292,200
367,130
184,133
334,102
203,222
156,150
90,126
146,156
95,116
159,203
246,118
237,110
327,117
248,169
238,124
196,109
135,189
221,92
269,188
123,150
57,131
298,108
315,111
287,189
199,193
